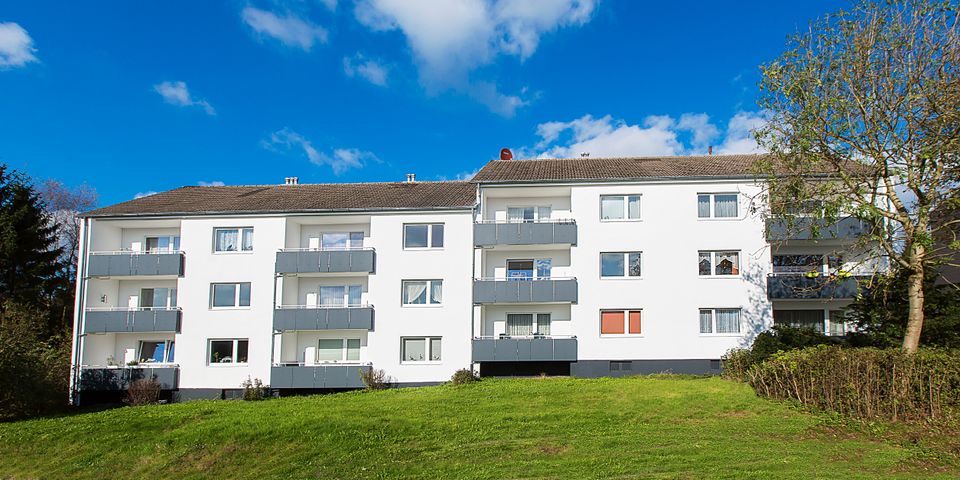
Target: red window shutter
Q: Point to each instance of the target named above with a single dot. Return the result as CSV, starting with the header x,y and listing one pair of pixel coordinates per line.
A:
x,y
635,321
611,322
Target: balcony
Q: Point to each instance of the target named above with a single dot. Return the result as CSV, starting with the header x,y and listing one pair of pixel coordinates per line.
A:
x,y
541,290
302,260
317,376
547,232
312,317
525,349
126,320
847,228
132,264
802,287
102,379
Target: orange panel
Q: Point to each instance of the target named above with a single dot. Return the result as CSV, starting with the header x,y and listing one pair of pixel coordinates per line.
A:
x,y
611,322
635,321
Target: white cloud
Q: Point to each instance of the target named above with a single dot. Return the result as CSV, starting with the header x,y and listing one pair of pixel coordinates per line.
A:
x,y
371,70
656,135
339,159
16,46
289,29
177,93
144,194
330,4
215,183
450,39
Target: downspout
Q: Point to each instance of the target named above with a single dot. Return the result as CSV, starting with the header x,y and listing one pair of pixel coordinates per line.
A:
x,y
473,269
80,292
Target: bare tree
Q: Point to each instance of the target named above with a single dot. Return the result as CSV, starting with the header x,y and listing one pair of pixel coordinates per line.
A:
x,y
871,96
64,204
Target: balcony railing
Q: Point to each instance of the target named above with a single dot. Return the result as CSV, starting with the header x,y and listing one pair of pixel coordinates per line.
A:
x,y
120,378
305,260
801,228
123,319
534,348
317,317
328,375
490,233
800,287
127,263
525,290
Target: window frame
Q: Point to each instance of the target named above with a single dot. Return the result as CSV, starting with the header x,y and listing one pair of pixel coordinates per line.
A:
x,y
168,347
429,293
537,218
430,235
713,264
712,215
534,324
234,354
626,266
626,322
428,348
625,198
713,322
237,293
344,351
173,247
241,234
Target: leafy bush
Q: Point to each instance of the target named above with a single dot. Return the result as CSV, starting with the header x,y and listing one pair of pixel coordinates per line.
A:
x,y
736,363
34,369
463,376
254,389
375,379
144,391
864,382
780,338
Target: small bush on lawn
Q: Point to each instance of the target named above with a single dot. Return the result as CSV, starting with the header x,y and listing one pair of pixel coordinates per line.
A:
x,y
864,382
375,379
144,391
254,389
780,338
463,376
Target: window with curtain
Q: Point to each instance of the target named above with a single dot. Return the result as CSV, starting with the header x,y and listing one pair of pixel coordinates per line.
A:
x,y
620,322
238,239
329,350
332,296
703,206
810,319
718,205
543,323
544,267
435,350
521,214
519,324
422,292
722,262
420,349
706,321
354,295
620,207
720,320
838,323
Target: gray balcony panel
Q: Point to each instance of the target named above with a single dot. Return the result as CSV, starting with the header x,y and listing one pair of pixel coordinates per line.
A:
x,y
323,318
119,321
134,264
847,228
317,376
785,287
113,379
524,291
524,349
547,233
325,261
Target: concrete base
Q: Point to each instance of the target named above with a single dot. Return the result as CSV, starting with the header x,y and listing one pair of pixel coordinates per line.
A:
x,y
622,368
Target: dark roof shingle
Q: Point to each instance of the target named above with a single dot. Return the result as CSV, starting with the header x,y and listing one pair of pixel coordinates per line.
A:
x,y
298,198
608,169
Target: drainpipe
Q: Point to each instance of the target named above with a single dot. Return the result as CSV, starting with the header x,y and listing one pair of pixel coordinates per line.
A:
x,y
473,269
80,292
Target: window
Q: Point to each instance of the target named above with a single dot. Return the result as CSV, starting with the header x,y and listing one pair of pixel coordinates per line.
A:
x,y
423,236
787,264
156,351
337,296
540,268
422,349
720,320
620,264
233,240
337,241
228,351
620,207
422,292
528,324
717,205
162,244
230,295
719,263
620,322
810,319
838,323
528,214
158,298
620,365
332,350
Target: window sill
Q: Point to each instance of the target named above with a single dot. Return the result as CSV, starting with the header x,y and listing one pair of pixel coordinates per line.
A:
x,y
621,278
247,252
718,219
422,363
622,335
216,309
228,365
620,220
721,276
708,335
435,305
423,249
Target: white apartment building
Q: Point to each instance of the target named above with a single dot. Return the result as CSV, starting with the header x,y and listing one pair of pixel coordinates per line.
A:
x,y
584,267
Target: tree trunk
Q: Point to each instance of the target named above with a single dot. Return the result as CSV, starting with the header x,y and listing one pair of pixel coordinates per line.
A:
x,y
911,339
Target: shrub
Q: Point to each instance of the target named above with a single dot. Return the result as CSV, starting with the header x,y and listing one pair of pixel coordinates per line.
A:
x,y
780,338
736,363
864,382
375,379
143,392
34,369
464,376
254,389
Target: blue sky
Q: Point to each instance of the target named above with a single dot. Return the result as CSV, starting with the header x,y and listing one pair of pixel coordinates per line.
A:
x,y
139,97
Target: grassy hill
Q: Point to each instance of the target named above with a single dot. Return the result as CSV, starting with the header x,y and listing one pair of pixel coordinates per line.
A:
x,y
638,427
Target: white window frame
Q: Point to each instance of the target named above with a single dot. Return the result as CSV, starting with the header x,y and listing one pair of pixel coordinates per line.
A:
x,y
174,241
626,266
713,264
626,323
713,322
430,227
625,198
166,352
429,303
241,233
348,247
535,275
343,351
713,206
535,325
429,351
536,213
233,356
236,296
346,295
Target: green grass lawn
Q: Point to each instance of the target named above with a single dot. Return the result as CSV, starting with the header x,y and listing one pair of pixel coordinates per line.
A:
x,y
639,427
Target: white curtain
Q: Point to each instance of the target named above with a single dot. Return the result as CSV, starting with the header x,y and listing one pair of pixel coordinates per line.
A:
x,y
435,349
436,291
705,263
706,321
543,323
519,324
227,240
414,349
725,206
415,293
611,208
330,350
331,296
703,206
353,349
728,263
354,294
247,239
633,207
728,321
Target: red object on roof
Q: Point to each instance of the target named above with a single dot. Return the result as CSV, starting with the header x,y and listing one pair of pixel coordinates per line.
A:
x,y
506,154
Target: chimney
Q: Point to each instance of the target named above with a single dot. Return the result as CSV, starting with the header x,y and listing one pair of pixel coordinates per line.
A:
x,y
584,154
291,181
710,150
411,177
